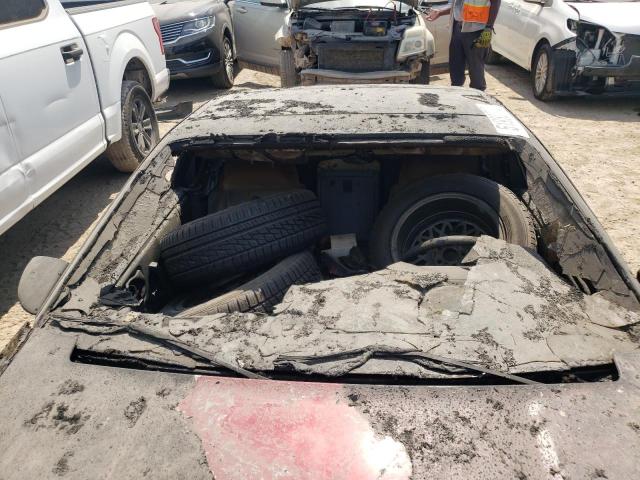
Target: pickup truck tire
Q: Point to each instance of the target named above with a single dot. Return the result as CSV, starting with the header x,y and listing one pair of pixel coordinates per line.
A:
x,y
542,74
423,78
242,238
263,292
288,75
139,129
226,76
445,205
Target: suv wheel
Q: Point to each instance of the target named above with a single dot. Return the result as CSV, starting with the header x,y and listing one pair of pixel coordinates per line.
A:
x,y
288,75
425,72
226,76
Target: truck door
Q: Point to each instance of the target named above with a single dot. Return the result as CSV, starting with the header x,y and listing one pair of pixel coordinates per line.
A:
x,y
255,26
49,94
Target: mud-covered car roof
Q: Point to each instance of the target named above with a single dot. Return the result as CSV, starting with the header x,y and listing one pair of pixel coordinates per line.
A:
x,y
367,109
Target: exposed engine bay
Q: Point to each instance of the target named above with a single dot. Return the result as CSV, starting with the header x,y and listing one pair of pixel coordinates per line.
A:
x,y
332,45
597,59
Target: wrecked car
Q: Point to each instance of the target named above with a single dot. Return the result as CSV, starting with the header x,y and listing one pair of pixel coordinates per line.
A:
x,y
410,288
572,46
336,41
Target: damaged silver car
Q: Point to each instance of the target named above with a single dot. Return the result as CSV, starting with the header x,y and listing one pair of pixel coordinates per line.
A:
x,y
410,288
354,42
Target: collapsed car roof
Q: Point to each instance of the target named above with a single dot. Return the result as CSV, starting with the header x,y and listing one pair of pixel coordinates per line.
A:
x,y
370,110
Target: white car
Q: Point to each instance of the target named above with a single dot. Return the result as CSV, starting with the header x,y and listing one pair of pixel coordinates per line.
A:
x,y
571,46
73,84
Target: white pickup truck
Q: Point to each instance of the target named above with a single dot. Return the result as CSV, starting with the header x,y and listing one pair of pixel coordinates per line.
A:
x,y
77,79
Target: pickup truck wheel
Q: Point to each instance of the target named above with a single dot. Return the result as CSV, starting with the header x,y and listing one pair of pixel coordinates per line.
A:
x,y
446,205
288,75
242,238
139,129
542,74
226,76
263,292
423,77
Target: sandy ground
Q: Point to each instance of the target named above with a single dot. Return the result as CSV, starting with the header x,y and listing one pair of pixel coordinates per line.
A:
x,y
595,139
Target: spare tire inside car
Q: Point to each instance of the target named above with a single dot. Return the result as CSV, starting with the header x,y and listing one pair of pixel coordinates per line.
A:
x,y
264,291
242,238
447,205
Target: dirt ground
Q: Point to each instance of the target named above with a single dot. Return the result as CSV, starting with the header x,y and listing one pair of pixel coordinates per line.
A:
x,y
595,139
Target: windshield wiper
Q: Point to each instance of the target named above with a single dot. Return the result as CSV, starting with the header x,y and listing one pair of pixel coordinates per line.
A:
x,y
342,363
159,337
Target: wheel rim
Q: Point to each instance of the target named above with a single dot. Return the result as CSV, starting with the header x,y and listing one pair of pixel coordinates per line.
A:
x,y
542,71
443,215
228,60
141,126
449,250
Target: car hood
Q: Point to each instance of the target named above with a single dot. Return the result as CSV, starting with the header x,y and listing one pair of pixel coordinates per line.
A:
x,y
83,420
297,4
619,17
173,12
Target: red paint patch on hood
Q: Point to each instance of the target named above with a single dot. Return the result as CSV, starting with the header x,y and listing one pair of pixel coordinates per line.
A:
x,y
260,429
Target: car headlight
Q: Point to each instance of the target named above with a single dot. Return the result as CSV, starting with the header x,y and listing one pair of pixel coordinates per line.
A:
x,y
572,25
198,25
413,42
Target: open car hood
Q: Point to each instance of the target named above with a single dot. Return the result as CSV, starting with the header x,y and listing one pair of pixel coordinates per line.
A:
x,y
297,4
618,17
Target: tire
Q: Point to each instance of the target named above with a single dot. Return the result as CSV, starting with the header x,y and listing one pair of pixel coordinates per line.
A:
x,y
542,78
492,57
263,292
288,75
242,238
139,129
225,77
423,77
448,205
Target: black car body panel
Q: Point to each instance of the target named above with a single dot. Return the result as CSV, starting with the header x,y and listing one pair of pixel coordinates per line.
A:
x,y
87,398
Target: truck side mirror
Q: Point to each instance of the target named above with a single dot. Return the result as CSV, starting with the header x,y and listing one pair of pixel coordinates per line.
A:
x,y
38,279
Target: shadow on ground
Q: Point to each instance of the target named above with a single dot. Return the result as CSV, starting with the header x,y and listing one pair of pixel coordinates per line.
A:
x,y
56,224
585,107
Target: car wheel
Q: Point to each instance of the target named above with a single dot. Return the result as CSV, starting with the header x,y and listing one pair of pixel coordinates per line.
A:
x,y
242,238
226,76
263,292
423,77
542,74
139,129
288,75
449,205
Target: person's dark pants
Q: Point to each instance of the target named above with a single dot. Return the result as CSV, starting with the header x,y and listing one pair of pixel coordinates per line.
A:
x,y
463,54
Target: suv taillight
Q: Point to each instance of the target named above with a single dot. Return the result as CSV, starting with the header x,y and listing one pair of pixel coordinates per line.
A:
x,y
156,27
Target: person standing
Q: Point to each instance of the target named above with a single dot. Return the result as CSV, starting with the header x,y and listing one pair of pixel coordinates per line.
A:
x,y
471,32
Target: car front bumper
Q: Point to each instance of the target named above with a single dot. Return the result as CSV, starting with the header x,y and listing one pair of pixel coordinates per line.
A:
x,y
321,76
194,56
630,71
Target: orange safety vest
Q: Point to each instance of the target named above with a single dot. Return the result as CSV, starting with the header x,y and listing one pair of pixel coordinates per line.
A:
x,y
476,11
